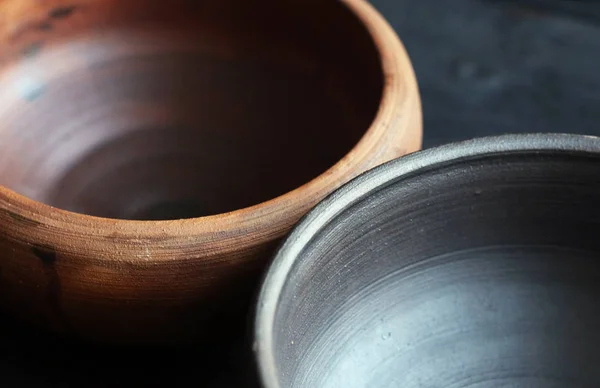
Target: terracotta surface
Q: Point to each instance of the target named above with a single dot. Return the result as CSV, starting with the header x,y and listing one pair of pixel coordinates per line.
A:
x,y
134,132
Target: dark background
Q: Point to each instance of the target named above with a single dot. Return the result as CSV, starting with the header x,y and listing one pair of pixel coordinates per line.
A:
x,y
484,67
487,67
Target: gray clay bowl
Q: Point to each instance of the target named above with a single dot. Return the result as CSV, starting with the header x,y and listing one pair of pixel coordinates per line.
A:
x,y
471,265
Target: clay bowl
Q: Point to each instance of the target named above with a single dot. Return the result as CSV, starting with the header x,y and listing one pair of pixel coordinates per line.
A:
x,y
470,265
153,152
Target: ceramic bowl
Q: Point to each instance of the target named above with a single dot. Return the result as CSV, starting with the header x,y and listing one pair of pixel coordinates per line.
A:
x,y
153,152
470,265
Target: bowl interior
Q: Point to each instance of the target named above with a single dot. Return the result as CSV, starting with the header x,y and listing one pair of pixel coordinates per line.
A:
x,y
161,110
478,273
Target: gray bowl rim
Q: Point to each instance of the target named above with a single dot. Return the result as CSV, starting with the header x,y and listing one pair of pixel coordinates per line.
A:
x,y
372,181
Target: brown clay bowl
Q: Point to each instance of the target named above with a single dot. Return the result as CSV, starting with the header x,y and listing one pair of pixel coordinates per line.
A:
x,y
152,153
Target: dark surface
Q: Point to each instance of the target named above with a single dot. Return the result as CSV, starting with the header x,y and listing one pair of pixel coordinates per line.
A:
x,y
33,359
484,67
465,266
489,67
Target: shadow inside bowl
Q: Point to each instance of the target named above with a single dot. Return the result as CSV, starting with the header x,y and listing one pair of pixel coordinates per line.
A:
x,y
178,109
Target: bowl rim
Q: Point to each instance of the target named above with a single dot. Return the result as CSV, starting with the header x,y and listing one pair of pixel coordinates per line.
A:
x,y
273,218
366,184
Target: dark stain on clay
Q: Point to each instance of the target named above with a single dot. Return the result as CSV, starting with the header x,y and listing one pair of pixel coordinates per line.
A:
x,y
44,26
32,50
49,258
19,218
45,254
62,12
